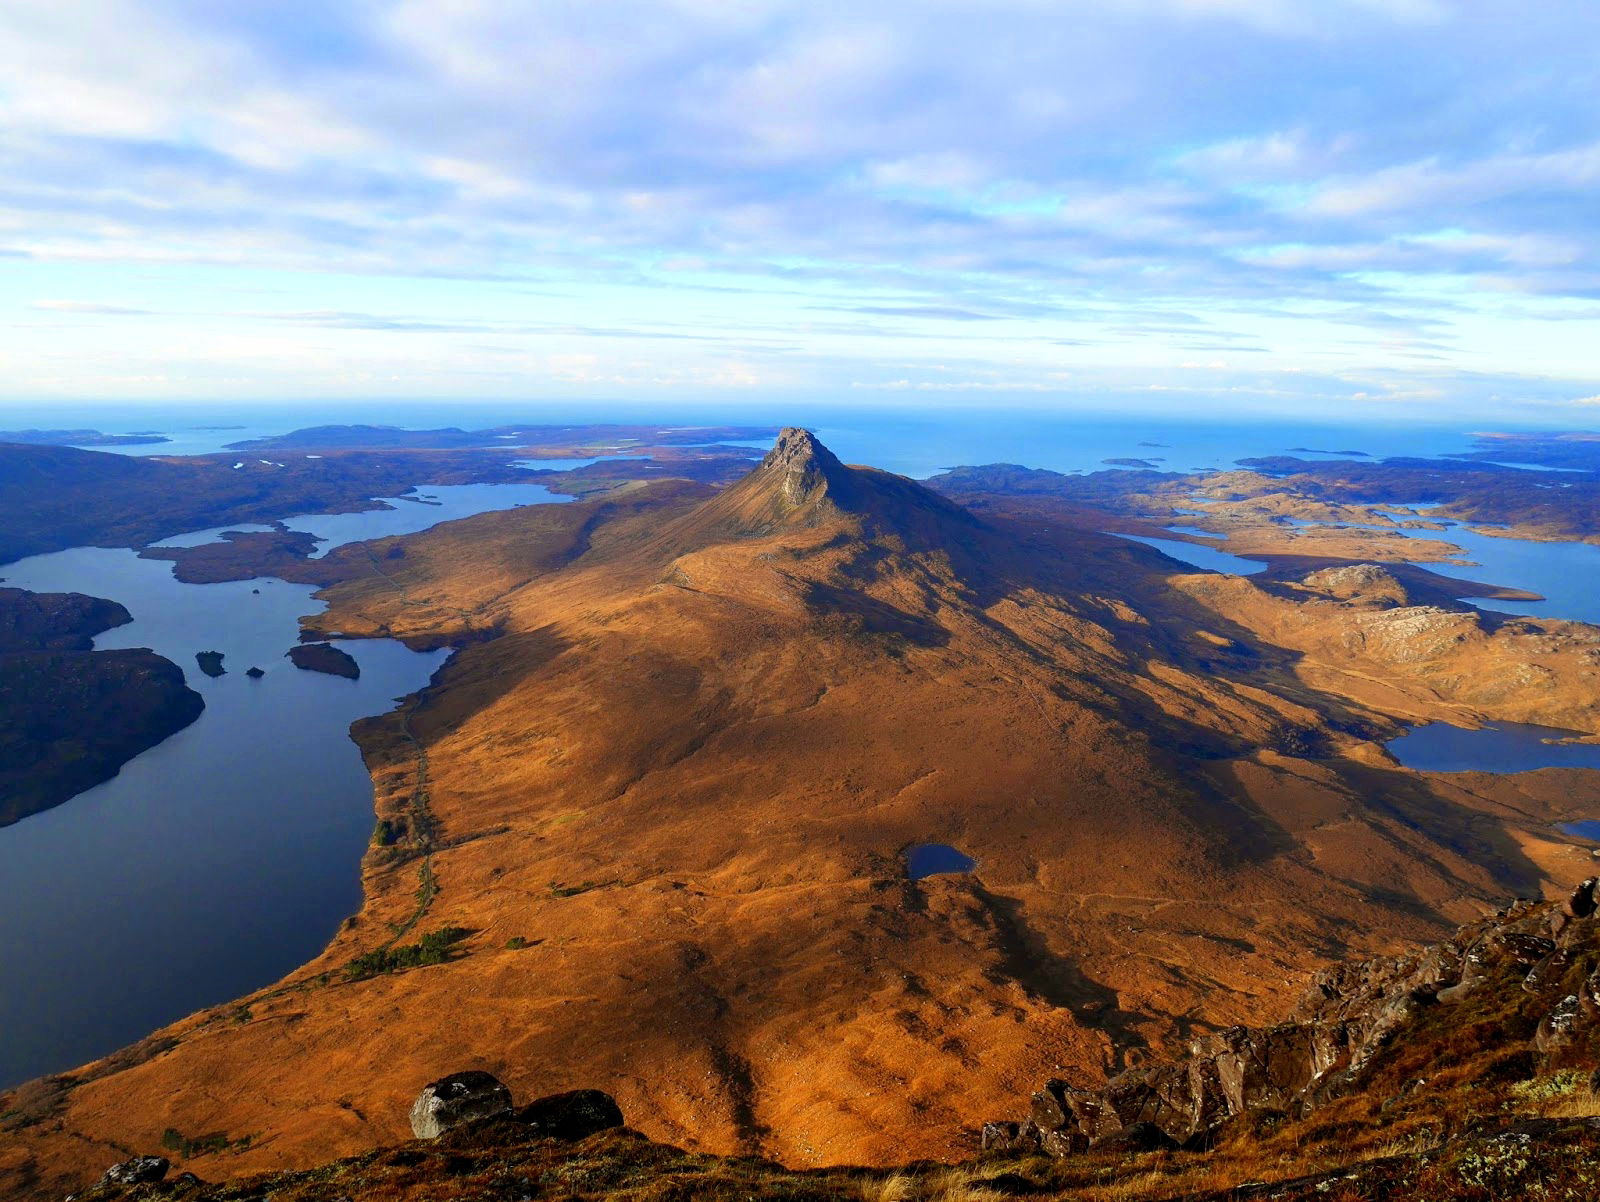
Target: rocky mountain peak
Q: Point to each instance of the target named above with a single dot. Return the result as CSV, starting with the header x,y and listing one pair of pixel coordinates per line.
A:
x,y
802,468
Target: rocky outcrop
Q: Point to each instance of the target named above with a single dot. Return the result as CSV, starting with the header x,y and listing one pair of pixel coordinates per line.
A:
x,y
210,662
1358,583
1338,1034
474,1096
457,1099
140,1170
324,657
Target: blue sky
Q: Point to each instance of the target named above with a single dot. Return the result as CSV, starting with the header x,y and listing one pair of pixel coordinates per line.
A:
x,y
1316,207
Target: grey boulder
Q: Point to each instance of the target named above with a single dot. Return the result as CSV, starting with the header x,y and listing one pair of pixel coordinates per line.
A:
x,y
141,1170
457,1099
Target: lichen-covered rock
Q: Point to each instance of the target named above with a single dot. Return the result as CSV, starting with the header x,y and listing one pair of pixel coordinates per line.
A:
x,y
140,1170
457,1099
1557,1029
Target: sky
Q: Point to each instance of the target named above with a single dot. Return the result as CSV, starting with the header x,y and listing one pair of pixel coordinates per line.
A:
x,y
1311,208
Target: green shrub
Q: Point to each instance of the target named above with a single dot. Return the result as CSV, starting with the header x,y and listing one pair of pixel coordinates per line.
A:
x,y
433,948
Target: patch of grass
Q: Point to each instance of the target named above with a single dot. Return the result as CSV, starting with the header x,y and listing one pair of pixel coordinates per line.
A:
x,y
190,1148
557,889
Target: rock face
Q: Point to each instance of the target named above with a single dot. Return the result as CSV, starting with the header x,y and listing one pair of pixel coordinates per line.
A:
x,y
457,1099
324,657
1338,1033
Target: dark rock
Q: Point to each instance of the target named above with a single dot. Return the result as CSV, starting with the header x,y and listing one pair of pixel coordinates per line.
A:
x,y
575,1115
324,657
1010,1137
1546,975
254,673
1583,902
1050,1111
1589,996
210,662
457,1099
1062,1144
1522,948
141,1170
1139,1137
1558,1028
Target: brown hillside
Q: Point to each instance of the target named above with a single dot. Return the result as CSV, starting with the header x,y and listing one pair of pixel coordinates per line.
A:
x,y
667,789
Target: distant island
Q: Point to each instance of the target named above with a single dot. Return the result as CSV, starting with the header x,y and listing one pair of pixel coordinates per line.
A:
x,y
609,437
1318,451
81,438
1126,461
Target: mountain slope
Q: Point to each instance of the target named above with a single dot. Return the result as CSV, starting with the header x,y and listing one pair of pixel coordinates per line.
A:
x,y
665,797
1457,1072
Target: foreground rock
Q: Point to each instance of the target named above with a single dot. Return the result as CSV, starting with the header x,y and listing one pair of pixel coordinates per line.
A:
x,y
140,1170
571,1116
324,657
457,1099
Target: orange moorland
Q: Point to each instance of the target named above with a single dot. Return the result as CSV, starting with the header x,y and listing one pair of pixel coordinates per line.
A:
x,y
655,811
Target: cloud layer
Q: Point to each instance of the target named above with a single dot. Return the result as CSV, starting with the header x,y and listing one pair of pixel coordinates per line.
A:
x,y
1394,197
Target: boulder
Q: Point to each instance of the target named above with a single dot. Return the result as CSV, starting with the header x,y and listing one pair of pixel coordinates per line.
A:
x,y
1048,1107
141,1170
1521,948
1589,996
1546,975
457,1099
1583,902
1009,1137
1557,1029
1062,1144
574,1115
